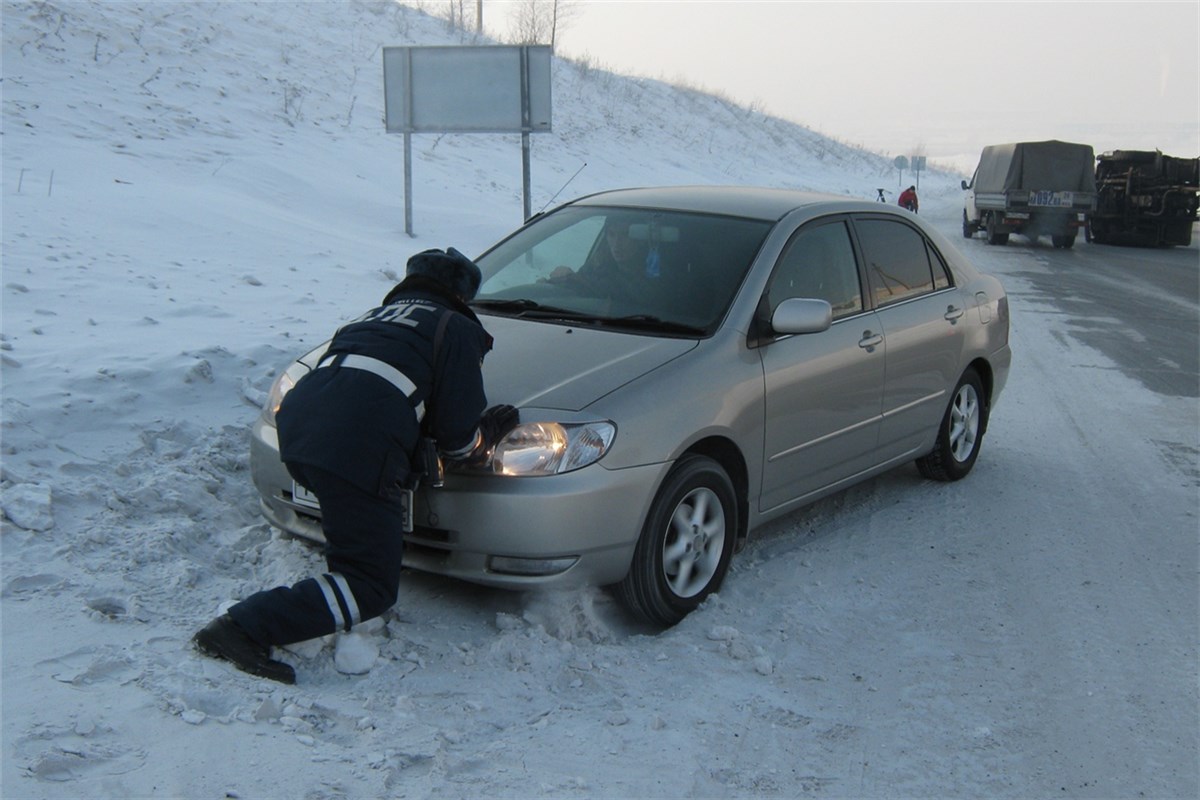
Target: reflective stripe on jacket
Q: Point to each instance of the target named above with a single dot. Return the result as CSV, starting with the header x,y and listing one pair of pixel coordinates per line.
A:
x,y
356,416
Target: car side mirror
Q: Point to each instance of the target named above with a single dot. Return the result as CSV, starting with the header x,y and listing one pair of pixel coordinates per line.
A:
x,y
965,185
802,315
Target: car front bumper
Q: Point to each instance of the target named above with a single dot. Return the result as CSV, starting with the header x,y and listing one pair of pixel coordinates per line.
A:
x,y
514,533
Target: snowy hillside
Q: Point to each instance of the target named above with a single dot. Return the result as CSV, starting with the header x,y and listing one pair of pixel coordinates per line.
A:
x,y
194,193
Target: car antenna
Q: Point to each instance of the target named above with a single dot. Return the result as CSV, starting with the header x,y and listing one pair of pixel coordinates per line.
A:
x,y
560,191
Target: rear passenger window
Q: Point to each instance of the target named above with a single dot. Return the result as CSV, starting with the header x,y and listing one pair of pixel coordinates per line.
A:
x,y
900,264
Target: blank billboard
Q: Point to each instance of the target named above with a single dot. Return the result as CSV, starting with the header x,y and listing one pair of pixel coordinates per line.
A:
x,y
486,89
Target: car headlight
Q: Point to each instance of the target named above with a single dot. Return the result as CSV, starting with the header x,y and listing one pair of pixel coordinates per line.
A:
x,y
551,448
282,385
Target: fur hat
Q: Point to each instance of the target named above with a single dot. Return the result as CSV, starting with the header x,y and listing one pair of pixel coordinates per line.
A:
x,y
450,268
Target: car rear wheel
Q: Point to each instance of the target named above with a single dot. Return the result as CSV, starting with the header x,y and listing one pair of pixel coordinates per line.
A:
x,y
961,433
686,544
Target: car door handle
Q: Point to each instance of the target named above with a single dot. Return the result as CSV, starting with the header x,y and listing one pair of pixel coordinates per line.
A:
x,y
952,313
870,340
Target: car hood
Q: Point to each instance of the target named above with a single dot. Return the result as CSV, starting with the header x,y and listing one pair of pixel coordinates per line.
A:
x,y
548,365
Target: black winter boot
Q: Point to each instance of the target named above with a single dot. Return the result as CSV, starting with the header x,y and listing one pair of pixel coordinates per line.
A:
x,y
223,638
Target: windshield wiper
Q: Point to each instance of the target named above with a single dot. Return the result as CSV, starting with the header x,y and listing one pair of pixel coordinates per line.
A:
x,y
531,309
649,322
520,304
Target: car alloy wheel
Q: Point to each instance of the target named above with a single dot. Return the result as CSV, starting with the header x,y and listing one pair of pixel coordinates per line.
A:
x,y
694,542
686,543
964,422
961,433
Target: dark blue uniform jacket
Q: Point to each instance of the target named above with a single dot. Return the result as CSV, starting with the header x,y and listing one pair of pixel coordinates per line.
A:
x,y
360,426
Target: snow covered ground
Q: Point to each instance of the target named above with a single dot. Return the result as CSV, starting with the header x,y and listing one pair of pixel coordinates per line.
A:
x,y
194,193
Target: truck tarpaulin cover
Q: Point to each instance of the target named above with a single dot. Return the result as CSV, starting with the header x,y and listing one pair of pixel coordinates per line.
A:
x,y
1033,166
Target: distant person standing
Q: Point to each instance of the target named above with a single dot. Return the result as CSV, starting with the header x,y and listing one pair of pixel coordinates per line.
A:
x,y
908,199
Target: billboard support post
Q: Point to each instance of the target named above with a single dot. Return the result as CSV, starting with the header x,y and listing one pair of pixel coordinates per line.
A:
x,y
525,154
525,176
408,228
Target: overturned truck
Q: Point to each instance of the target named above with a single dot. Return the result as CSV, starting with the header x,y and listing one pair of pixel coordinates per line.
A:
x,y
1145,198
1031,188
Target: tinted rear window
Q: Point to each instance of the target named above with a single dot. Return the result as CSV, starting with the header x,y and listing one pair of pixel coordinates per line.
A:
x,y
898,261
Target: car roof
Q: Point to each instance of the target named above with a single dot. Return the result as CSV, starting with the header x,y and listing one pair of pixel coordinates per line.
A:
x,y
737,201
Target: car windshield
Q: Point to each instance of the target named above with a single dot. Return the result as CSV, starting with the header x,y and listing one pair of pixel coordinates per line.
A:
x,y
667,272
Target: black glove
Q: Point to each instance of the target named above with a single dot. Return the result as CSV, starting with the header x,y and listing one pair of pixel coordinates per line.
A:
x,y
495,422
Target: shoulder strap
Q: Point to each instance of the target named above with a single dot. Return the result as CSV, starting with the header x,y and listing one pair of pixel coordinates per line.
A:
x,y
440,334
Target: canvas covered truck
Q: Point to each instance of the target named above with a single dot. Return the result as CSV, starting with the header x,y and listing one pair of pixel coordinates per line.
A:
x,y
1145,198
1031,188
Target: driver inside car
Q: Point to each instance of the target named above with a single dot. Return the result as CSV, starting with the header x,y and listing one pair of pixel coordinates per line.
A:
x,y
626,266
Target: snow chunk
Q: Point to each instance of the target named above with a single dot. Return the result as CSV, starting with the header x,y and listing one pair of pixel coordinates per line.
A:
x,y
201,371
722,633
28,506
193,717
355,654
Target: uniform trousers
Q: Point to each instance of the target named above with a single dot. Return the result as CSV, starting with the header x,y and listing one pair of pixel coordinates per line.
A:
x,y
364,545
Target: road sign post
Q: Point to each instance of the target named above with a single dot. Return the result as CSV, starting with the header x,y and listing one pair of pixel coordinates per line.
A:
x,y
901,163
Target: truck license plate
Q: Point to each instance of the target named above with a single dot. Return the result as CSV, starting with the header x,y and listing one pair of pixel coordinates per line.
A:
x,y
1051,199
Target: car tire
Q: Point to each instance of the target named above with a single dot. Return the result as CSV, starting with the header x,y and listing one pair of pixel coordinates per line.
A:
x,y
968,228
961,433
686,543
1063,242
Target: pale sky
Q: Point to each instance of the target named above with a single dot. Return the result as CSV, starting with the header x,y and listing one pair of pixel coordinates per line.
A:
x,y
896,76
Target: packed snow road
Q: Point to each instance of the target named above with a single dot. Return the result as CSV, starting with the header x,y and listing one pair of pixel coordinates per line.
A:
x,y
1085,518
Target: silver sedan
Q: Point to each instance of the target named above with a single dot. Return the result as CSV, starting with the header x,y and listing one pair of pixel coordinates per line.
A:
x,y
689,363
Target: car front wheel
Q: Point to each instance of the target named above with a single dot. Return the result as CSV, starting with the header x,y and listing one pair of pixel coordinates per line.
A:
x,y
686,544
961,432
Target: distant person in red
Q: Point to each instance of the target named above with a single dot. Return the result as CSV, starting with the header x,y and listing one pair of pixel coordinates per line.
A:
x,y
908,199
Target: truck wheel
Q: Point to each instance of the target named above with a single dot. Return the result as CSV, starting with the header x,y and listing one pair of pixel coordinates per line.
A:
x,y
1064,242
968,228
1178,233
994,236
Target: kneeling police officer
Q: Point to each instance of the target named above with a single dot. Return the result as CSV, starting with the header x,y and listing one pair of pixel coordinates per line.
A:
x,y
349,431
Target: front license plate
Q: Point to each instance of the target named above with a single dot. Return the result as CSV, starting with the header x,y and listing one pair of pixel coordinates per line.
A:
x,y
303,497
